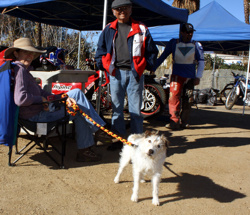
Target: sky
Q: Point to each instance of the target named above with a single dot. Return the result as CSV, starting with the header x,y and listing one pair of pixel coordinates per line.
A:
x,y
235,7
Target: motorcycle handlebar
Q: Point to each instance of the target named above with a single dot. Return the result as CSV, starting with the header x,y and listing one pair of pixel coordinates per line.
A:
x,y
237,76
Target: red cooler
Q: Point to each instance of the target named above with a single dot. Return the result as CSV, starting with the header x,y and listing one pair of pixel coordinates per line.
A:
x,y
58,88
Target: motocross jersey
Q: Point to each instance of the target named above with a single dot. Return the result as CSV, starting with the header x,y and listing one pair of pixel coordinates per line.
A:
x,y
185,57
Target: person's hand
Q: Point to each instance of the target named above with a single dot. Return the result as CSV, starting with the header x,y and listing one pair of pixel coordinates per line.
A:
x,y
196,81
45,105
70,101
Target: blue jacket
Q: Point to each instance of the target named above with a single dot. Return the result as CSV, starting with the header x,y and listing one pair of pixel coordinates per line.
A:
x,y
8,108
143,51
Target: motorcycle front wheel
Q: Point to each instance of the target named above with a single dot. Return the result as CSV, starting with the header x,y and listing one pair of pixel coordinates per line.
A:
x,y
231,98
224,93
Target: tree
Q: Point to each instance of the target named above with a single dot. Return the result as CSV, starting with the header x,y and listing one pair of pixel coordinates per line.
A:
x,y
246,10
191,5
12,28
220,64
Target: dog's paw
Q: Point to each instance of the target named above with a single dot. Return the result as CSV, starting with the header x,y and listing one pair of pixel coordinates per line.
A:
x,y
134,198
155,202
116,180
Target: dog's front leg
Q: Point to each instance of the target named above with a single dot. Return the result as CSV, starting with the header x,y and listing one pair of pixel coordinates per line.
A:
x,y
137,176
155,184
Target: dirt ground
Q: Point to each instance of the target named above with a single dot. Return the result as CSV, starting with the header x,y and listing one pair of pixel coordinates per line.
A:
x,y
207,171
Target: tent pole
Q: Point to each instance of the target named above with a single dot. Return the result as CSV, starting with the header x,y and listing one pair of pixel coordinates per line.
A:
x,y
40,34
79,50
247,76
104,22
213,70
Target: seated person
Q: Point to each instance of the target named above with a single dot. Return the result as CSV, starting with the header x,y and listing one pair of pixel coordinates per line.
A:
x,y
28,94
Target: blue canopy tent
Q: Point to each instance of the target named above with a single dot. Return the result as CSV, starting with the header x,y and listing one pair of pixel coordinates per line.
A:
x,y
88,14
216,29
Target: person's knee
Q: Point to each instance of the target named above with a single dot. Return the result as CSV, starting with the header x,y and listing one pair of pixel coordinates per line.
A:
x,y
75,93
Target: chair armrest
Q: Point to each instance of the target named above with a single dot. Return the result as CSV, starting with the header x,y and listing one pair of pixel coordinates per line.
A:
x,y
51,102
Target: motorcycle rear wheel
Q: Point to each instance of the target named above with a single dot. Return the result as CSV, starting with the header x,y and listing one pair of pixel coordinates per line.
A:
x,y
154,100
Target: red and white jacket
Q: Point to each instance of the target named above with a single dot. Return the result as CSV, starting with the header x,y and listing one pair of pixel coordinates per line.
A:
x,y
143,51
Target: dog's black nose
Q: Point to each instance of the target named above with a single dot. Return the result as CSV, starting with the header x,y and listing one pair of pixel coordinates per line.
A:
x,y
150,152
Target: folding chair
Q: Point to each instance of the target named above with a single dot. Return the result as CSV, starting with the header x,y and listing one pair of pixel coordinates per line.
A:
x,y
11,125
39,134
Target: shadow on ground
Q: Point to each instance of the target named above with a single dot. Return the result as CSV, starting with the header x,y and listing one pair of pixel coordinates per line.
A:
x,y
208,117
209,120
202,118
198,186
70,157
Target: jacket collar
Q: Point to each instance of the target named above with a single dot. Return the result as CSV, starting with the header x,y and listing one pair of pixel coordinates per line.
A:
x,y
135,28
30,68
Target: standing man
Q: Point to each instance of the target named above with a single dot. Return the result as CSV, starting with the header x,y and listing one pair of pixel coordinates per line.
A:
x,y
125,49
188,66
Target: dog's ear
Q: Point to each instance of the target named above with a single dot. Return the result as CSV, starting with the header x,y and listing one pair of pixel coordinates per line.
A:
x,y
164,139
147,133
167,143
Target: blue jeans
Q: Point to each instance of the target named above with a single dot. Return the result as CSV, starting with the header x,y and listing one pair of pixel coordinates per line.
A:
x,y
124,81
84,128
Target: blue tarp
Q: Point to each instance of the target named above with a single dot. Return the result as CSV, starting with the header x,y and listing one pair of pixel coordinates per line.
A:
x,y
215,27
88,14
8,108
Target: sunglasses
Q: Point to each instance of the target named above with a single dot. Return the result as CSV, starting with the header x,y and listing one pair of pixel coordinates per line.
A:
x,y
124,8
190,32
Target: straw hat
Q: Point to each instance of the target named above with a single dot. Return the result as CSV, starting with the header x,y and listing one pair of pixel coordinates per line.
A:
x,y
23,44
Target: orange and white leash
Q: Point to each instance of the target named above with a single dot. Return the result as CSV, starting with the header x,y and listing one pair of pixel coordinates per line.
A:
x,y
76,108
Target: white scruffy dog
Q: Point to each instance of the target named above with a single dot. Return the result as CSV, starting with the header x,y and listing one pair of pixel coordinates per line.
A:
x,y
147,154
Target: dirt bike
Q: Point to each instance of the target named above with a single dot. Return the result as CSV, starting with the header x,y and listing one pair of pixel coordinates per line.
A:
x,y
224,92
154,97
238,91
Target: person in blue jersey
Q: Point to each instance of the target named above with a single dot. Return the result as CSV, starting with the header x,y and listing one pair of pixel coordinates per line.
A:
x,y
188,66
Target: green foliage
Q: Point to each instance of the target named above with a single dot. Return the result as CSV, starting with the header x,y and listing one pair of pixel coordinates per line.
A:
x,y
209,62
233,66
219,64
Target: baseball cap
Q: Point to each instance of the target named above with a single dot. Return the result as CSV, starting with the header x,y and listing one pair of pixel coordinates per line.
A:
x,y
119,3
187,27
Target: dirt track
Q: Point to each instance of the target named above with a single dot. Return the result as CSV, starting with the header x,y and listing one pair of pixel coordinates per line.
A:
x,y
206,172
